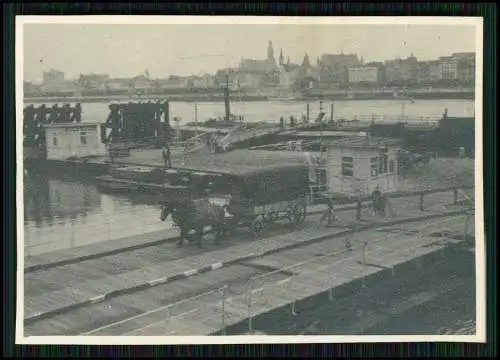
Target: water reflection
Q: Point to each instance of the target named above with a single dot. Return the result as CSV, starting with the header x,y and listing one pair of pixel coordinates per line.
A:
x,y
65,213
48,201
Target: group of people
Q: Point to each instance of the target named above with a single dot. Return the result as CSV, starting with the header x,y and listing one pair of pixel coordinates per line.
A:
x,y
293,121
380,204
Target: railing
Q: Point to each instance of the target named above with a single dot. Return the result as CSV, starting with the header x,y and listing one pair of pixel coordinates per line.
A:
x,y
265,289
65,233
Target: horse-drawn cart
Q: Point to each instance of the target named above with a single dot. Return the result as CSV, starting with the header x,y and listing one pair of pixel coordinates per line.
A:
x,y
259,197
247,198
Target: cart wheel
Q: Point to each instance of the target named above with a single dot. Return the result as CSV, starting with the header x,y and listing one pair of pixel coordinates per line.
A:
x,y
257,226
270,216
298,214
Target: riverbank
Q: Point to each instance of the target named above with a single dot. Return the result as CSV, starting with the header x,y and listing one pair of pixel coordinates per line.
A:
x,y
246,97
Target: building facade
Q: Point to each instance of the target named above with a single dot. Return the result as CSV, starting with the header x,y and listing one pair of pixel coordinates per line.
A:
x,y
356,166
260,66
466,67
53,76
93,81
449,68
334,69
364,74
401,71
72,140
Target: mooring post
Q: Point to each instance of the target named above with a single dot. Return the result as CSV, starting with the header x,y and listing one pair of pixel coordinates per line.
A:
x,y
358,210
330,294
72,234
363,249
249,306
365,244
421,201
293,308
223,309
455,195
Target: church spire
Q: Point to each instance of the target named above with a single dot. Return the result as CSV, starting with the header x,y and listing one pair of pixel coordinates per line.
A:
x,y
306,63
270,51
282,61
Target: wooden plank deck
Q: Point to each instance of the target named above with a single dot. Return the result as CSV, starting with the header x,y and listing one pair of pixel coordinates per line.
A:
x,y
109,283
103,281
301,286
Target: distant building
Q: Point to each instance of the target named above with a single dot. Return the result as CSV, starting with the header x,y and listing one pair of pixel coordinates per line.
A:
x,y
308,76
448,67
72,140
53,76
333,69
263,66
142,83
172,82
434,71
28,87
402,71
230,75
92,81
201,82
119,85
249,79
356,166
466,67
369,74
63,87
54,82
429,72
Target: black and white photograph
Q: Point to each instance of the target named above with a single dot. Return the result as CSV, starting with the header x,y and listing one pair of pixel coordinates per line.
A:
x,y
211,179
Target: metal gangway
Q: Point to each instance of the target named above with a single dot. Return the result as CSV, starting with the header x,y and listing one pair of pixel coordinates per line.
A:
x,y
243,133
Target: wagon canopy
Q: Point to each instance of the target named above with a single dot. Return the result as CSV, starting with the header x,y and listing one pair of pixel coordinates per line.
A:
x,y
270,184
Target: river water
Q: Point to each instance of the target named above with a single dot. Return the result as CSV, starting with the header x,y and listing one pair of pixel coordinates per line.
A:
x,y
271,111
65,213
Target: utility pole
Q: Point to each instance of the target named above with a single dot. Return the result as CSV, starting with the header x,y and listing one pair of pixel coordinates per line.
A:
x,y
226,98
321,128
196,116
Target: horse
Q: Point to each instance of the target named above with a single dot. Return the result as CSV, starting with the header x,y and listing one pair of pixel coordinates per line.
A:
x,y
195,215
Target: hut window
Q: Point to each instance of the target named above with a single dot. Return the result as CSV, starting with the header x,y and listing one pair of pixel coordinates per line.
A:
x,y
347,166
83,138
321,176
374,166
383,164
54,140
391,166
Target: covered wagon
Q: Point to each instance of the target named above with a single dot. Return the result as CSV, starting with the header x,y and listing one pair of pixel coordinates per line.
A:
x,y
259,196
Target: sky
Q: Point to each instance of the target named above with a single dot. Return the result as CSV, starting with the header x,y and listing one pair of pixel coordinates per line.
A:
x,y
177,49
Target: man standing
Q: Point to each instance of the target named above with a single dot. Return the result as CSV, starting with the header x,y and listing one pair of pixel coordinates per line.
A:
x,y
166,156
330,215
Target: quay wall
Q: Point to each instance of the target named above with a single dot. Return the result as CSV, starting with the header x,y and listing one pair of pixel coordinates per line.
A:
x,y
212,97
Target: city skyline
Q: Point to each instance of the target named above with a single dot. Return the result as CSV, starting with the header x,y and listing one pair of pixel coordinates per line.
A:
x,y
120,50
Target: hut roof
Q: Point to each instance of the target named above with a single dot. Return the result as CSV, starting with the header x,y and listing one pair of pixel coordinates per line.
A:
x,y
368,142
243,162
